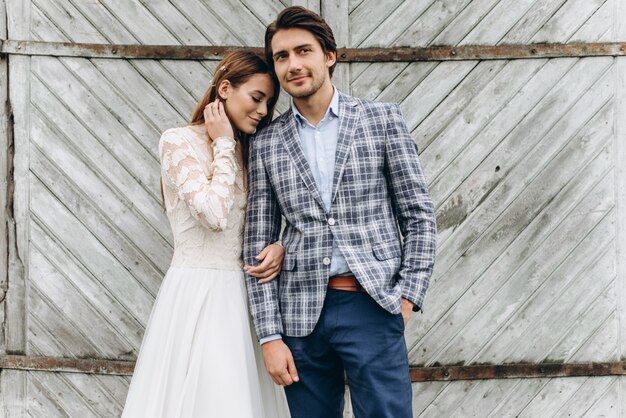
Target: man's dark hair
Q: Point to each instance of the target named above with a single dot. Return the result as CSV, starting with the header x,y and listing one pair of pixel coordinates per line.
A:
x,y
300,18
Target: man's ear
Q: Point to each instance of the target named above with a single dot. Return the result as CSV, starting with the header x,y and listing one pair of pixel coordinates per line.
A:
x,y
331,58
223,90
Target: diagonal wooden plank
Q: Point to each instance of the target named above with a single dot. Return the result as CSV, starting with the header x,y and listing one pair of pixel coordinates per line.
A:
x,y
532,21
436,87
522,393
116,194
42,340
485,188
177,24
483,398
454,32
563,330
497,237
397,23
74,307
40,402
100,299
589,32
68,231
118,140
92,393
116,386
404,83
371,14
424,393
500,19
528,322
374,79
603,343
484,106
136,255
62,394
607,405
452,103
514,118
488,304
449,398
591,318
567,20
57,22
39,307
552,396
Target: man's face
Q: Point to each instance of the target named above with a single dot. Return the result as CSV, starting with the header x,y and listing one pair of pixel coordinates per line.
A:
x,y
300,62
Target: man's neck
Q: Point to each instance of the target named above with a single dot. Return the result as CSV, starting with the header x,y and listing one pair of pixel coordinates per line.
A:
x,y
314,107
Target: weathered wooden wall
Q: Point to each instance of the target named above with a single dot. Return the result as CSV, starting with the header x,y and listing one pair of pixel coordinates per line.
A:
x,y
525,160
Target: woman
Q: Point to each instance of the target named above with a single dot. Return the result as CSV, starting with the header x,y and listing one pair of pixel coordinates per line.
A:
x,y
199,357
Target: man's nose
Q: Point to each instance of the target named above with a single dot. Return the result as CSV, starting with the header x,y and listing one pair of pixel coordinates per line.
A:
x,y
294,64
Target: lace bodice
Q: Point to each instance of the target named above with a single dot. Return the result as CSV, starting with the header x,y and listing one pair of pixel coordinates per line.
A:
x,y
204,198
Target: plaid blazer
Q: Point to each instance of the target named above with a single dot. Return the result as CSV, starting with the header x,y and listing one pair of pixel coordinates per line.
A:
x,y
379,194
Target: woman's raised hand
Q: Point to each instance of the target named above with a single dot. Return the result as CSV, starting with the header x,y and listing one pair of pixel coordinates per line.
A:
x,y
216,122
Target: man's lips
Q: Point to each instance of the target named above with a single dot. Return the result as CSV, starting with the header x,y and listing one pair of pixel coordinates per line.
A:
x,y
298,78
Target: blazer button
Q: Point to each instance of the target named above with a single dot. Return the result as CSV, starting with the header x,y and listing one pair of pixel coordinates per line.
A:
x,y
326,261
331,221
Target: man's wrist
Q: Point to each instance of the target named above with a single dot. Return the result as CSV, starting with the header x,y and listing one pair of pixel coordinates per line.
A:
x,y
272,337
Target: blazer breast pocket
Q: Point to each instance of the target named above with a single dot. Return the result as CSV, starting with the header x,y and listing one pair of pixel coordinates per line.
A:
x,y
386,250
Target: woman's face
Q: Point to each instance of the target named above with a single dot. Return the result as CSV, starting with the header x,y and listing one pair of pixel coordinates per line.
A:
x,y
247,104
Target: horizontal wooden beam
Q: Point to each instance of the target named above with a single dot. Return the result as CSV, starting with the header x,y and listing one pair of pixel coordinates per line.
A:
x,y
516,371
418,374
70,365
391,54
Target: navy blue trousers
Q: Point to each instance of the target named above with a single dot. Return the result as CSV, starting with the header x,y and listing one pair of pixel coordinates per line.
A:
x,y
354,334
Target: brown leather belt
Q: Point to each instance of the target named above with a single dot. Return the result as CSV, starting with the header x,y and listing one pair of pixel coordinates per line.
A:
x,y
348,283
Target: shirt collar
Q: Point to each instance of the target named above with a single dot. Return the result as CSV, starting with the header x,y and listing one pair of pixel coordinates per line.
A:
x,y
333,108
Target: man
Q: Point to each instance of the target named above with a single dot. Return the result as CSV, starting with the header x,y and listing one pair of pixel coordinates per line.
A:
x,y
344,173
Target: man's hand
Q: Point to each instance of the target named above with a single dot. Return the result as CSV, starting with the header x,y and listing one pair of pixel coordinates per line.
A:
x,y
279,363
407,309
271,258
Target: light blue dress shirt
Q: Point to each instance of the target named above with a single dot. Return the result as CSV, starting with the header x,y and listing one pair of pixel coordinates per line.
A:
x,y
319,144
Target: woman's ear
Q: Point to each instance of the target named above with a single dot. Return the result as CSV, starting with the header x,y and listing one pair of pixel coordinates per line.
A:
x,y
223,90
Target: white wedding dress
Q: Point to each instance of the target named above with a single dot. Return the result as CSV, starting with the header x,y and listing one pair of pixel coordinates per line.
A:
x,y
199,356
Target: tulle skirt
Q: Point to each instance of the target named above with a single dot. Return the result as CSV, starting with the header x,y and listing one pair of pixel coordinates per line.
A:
x,y
199,356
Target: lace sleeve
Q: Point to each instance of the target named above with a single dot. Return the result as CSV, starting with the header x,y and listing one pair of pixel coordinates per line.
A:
x,y
209,199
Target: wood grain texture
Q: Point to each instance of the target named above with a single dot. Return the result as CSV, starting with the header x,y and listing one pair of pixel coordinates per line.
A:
x,y
619,32
482,22
18,17
523,159
6,161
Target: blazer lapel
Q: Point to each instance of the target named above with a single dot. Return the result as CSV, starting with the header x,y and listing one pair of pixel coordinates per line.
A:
x,y
349,114
291,142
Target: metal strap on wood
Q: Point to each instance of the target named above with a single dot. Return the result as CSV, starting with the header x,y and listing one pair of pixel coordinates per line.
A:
x,y
391,54
418,374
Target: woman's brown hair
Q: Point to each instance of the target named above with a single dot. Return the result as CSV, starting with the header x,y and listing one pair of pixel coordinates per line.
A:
x,y
237,67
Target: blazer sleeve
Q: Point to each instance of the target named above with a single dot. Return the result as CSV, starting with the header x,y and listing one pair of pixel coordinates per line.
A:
x,y
262,228
413,207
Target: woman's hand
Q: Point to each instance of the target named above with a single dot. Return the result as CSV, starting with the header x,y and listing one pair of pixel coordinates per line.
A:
x,y
271,258
216,122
